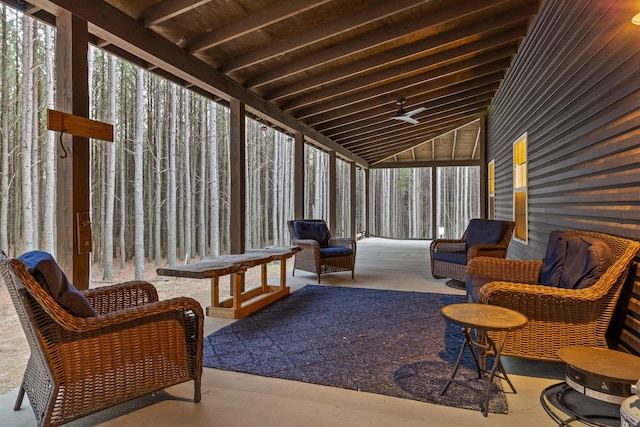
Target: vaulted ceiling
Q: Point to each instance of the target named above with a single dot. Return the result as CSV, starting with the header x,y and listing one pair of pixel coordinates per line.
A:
x,y
333,70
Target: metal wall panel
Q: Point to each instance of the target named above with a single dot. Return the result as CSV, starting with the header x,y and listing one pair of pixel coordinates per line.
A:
x,y
574,88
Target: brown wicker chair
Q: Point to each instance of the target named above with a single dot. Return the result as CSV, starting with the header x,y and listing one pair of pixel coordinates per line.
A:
x,y
135,346
558,317
310,258
457,270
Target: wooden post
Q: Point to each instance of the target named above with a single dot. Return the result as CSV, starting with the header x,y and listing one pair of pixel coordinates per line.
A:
x,y
333,199
434,202
353,200
72,96
367,200
484,191
238,181
237,157
298,170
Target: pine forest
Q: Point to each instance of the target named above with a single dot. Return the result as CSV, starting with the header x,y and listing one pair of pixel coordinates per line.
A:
x,y
160,191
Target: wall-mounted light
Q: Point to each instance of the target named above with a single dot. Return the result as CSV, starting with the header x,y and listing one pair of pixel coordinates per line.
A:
x,y
636,19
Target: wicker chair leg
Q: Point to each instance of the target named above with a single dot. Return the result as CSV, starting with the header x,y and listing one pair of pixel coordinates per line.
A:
x,y
18,403
196,392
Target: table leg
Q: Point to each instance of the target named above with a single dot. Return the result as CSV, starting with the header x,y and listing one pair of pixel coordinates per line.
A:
x,y
469,339
283,273
455,369
237,290
263,269
215,291
497,366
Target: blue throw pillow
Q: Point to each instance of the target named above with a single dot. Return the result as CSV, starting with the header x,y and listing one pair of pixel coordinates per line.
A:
x,y
587,259
317,231
484,231
554,259
44,268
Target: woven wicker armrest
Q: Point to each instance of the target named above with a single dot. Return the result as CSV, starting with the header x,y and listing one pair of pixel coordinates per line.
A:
x,y
343,241
448,245
505,269
121,295
499,251
174,308
305,242
540,301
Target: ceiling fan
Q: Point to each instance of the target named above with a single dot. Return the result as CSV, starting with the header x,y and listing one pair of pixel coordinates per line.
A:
x,y
405,116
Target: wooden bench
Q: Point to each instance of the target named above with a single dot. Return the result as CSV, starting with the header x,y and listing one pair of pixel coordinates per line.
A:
x,y
242,302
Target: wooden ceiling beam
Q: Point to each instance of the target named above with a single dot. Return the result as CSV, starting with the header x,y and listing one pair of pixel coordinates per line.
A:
x,y
393,131
388,94
108,23
504,30
408,136
319,33
386,164
388,34
253,22
377,125
411,69
167,9
360,118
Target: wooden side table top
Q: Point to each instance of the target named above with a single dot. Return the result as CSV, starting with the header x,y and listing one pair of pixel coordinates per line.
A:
x,y
602,362
484,316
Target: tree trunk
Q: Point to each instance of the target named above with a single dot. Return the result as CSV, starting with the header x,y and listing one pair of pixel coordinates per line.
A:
x,y
138,182
27,136
111,176
187,179
214,191
171,205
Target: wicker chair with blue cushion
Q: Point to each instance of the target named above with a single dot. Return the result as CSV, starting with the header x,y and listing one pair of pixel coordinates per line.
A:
x,y
321,253
483,237
569,296
94,349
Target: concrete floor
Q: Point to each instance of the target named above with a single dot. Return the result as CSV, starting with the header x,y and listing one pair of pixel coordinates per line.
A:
x,y
233,399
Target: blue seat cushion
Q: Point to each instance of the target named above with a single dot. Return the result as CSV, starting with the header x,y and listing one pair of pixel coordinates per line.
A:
x,y
587,259
44,268
453,257
314,230
554,259
335,251
484,231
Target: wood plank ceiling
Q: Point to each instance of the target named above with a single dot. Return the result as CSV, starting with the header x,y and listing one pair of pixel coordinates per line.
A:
x,y
337,67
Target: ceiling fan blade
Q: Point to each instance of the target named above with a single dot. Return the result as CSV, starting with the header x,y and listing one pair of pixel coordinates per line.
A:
x,y
406,118
416,111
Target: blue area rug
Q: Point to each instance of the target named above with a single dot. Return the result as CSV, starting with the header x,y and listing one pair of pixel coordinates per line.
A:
x,y
385,342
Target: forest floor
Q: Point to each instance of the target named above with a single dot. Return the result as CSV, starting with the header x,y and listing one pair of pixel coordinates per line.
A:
x,y
14,350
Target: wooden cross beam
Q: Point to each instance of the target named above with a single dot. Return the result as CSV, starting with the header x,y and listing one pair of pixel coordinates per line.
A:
x,y
78,126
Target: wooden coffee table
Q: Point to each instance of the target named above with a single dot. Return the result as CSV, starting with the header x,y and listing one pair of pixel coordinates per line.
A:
x,y
483,318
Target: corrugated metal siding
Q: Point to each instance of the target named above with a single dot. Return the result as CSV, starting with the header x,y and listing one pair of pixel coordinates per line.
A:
x,y
575,89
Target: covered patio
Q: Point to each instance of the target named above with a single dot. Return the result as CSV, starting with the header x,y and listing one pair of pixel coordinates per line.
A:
x,y
234,399
560,77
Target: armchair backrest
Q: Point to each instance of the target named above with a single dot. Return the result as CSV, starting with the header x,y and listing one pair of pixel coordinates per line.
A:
x,y
488,232
315,229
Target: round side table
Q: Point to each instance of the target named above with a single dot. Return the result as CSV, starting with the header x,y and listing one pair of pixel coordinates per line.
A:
x,y
483,318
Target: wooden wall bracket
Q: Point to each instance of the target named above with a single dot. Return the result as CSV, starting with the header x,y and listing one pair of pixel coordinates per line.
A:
x,y
78,126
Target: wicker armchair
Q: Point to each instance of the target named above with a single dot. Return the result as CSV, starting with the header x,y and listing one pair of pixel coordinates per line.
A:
x,y
312,259
450,257
136,345
558,317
